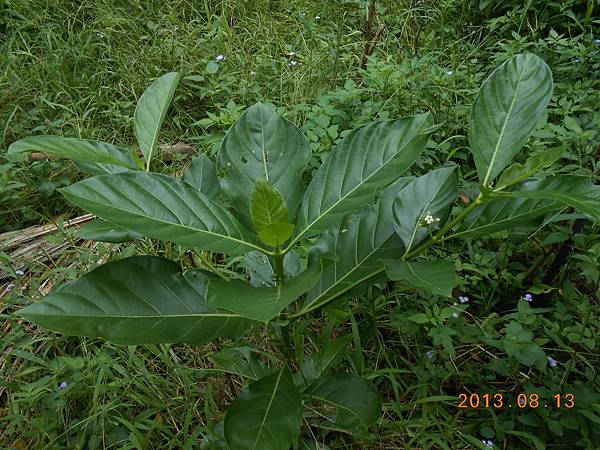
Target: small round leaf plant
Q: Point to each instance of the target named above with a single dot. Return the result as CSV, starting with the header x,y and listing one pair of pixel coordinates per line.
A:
x,y
361,217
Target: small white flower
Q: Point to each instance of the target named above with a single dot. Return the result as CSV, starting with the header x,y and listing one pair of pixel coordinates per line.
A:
x,y
292,63
552,362
429,354
345,230
291,54
100,34
317,17
19,272
450,73
488,443
463,299
220,58
9,286
597,42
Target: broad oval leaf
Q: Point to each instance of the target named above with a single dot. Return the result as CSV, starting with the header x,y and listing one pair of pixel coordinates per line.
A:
x,y
75,149
356,402
103,231
367,160
241,361
429,195
360,241
261,270
162,207
506,110
93,168
437,276
137,300
316,365
261,144
203,176
266,415
151,110
269,214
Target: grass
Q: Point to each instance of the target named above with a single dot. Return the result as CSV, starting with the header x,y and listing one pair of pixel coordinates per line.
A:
x,y
76,69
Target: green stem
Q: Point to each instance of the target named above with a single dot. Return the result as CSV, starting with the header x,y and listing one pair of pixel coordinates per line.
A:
x,y
436,238
279,274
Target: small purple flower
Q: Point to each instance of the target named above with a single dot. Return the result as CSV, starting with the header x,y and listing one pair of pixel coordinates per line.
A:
x,y
429,354
488,443
528,297
463,299
63,385
552,362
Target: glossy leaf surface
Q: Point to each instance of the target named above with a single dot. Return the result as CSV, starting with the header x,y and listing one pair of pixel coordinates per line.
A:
x,y
367,160
103,231
430,194
75,149
162,207
137,300
151,110
437,276
506,110
261,144
359,242
266,415
203,176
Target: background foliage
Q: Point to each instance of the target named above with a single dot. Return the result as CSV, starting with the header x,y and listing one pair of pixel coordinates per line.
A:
x,y
77,68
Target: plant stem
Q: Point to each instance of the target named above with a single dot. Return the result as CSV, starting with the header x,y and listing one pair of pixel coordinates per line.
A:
x,y
279,274
438,237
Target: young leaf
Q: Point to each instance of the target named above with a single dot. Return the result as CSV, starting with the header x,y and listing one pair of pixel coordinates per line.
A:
x,y
367,160
506,110
75,149
137,300
428,197
360,241
266,415
570,190
264,303
203,176
162,207
261,144
356,401
520,172
269,214
438,276
103,231
151,110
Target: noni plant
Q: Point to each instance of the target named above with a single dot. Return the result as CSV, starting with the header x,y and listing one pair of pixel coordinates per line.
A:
x,y
360,218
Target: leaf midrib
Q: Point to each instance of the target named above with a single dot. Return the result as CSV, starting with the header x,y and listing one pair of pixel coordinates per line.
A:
x,y
262,424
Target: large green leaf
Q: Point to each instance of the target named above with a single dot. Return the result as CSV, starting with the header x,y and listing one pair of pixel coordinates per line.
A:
x,y
76,149
162,207
203,176
504,213
266,415
367,160
151,110
103,231
571,190
360,241
137,300
93,168
264,303
506,110
269,214
261,144
437,276
355,401
431,194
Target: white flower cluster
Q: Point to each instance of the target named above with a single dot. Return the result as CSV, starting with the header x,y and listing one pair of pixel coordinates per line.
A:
x,y
429,219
